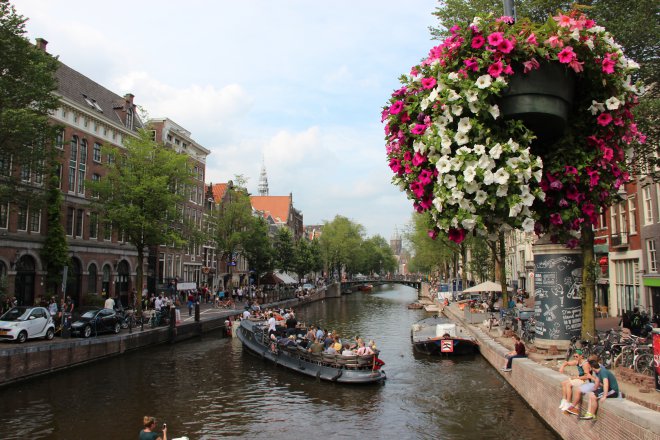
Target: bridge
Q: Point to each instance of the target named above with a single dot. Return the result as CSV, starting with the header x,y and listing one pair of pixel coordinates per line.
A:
x,y
421,286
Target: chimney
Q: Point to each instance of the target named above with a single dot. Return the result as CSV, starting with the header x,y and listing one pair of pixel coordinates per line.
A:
x,y
41,44
129,98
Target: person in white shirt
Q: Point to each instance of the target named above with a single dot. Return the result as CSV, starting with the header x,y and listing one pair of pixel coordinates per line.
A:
x,y
109,303
246,314
158,304
271,324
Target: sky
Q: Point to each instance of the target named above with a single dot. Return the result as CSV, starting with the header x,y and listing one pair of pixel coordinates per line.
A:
x,y
297,86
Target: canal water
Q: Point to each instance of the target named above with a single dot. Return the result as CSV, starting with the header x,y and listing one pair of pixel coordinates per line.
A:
x,y
210,389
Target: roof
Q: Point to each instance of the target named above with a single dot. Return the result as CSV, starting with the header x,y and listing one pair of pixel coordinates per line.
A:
x,y
275,206
73,85
219,190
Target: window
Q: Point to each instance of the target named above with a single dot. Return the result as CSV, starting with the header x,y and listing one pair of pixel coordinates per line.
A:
x,y
22,221
70,212
83,152
73,162
93,225
652,256
152,134
4,215
35,220
5,165
632,215
129,118
96,178
97,153
25,173
107,231
91,278
648,206
38,174
59,143
79,222
613,228
58,172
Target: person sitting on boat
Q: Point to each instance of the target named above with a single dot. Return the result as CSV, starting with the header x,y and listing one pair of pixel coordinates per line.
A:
x,y
311,333
372,345
446,336
316,347
347,350
320,334
291,324
330,350
149,431
272,327
363,350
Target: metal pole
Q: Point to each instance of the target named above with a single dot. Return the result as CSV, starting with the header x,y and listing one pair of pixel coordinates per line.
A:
x,y
510,9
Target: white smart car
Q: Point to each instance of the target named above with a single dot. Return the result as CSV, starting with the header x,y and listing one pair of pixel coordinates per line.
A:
x,y
23,323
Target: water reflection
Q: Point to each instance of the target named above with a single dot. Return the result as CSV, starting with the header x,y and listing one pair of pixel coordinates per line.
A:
x,y
210,388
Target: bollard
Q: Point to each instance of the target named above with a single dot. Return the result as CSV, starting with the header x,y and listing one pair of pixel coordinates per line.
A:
x,y
172,313
197,311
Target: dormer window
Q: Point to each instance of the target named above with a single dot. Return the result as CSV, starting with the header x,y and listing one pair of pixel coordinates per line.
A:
x,y
129,118
92,103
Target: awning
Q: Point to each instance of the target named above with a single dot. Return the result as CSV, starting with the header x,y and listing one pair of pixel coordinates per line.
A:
x,y
278,278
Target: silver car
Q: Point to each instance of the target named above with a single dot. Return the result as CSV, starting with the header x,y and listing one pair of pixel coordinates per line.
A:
x,y
23,323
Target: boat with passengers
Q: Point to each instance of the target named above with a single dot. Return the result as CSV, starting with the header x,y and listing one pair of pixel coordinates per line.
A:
x,y
328,367
440,336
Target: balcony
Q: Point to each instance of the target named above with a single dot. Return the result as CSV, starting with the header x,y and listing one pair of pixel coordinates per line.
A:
x,y
620,240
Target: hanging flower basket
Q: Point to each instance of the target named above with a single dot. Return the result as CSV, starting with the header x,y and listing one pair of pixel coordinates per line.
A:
x,y
542,99
459,132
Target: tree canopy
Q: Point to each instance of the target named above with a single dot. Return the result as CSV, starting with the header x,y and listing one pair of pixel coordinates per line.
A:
x,y
27,83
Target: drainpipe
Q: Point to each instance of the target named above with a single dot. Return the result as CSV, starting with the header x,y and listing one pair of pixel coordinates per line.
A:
x,y
509,9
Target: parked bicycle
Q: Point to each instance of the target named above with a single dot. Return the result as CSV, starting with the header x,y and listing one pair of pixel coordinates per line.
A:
x,y
528,333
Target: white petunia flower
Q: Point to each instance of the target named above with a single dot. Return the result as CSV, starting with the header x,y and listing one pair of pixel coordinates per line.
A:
x,y
479,149
446,142
495,151
457,194
457,110
471,187
437,202
612,103
632,64
471,96
489,177
596,107
420,147
464,125
590,44
469,174
463,150
538,175
461,138
476,21
444,165
494,111
484,81
450,180
501,176
527,198
528,224
433,95
453,96
513,144
453,76
513,162
474,107
424,104
502,191
480,197
515,210
468,223
466,205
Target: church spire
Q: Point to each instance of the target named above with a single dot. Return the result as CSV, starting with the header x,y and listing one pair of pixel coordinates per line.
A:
x,y
263,180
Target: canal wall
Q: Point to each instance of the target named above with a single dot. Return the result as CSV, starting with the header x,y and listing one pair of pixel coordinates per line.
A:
x,y
22,362
540,387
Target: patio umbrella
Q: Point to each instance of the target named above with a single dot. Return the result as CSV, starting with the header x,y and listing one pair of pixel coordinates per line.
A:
x,y
487,286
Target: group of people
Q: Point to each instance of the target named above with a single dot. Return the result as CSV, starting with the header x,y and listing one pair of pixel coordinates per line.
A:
x,y
592,380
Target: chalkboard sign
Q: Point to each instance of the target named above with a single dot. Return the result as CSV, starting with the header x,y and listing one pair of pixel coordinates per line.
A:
x,y
558,301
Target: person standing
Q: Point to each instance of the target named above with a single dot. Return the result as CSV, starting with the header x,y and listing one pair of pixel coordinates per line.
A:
x,y
52,308
149,431
109,303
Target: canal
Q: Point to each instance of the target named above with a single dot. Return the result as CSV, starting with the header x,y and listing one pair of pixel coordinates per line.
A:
x,y
209,389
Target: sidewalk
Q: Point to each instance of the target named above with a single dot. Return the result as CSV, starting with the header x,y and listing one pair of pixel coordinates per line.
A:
x,y
633,392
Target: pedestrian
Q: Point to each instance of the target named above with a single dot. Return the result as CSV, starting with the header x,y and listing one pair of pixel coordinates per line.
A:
x,y
149,431
191,302
52,308
636,322
518,352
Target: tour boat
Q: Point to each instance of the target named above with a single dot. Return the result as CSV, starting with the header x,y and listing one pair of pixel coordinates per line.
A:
x,y
333,368
441,336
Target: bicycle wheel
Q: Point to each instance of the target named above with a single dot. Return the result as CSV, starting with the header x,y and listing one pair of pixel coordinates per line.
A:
x,y
644,364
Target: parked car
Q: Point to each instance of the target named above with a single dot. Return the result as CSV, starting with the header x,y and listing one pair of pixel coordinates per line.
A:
x,y
23,323
96,321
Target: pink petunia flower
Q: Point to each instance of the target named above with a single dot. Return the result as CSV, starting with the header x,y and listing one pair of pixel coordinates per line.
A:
x,y
566,55
532,39
478,41
555,219
456,235
506,46
564,20
396,108
608,65
428,83
418,159
471,63
495,69
530,65
554,41
419,129
395,165
576,66
433,234
495,38
570,170
604,119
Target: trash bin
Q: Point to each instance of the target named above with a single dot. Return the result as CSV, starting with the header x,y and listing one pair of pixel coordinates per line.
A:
x,y
656,357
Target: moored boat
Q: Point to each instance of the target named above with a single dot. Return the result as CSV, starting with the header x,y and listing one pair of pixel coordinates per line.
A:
x,y
333,368
415,306
365,287
441,336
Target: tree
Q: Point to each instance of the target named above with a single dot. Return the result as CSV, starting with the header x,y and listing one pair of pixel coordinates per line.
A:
x,y
430,255
303,258
339,241
141,195
258,249
284,250
27,83
232,220
55,252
